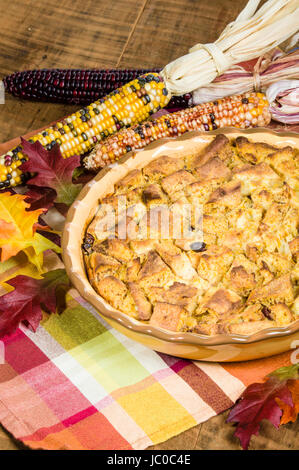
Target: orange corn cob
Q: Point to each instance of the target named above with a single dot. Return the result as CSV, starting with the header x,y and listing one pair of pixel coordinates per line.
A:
x,y
248,110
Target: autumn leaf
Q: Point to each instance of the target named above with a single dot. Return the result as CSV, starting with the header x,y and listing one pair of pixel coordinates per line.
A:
x,y
258,402
7,229
51,170
25,303
291,375
24,236
290,413
40,198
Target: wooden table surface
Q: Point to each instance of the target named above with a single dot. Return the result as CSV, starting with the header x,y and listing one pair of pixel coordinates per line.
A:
x,y
122,33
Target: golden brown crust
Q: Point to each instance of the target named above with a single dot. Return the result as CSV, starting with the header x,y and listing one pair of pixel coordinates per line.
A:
x,y
277,290
132,180
162,166
154,272
177,181
215,148
177,294
222,302
241,281
213,169
133,268
227,195
294,247
253,152
168,316
235,270
144,307
113,290
153,194
119,249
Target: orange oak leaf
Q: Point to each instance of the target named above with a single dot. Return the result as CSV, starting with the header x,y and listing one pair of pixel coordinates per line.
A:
x,y
289,414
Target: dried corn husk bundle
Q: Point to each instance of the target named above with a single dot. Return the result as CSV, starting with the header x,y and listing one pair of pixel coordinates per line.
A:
x,y
272,67
251,35
283,97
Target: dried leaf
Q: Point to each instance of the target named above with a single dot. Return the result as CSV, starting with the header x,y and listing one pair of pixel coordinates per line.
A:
x,y
24,304
13,211
51,170
291,375
258,402
40,198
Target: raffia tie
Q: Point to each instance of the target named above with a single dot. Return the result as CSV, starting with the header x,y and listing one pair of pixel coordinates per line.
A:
x,y
221,62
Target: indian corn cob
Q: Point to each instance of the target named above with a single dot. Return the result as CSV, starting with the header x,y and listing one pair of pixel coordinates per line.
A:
x,y
248,110
76,86
78,133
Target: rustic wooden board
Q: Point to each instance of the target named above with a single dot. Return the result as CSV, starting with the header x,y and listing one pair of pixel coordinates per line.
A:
x,y
167,29
122,33
65,34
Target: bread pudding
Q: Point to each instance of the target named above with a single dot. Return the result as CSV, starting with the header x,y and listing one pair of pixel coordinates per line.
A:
x,y
205,243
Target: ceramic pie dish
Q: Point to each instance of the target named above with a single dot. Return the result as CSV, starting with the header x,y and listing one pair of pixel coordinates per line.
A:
x,y
226,346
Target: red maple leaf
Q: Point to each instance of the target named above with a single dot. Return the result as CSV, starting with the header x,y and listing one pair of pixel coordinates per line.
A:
x,y
40,198
51,170
261,401
25,302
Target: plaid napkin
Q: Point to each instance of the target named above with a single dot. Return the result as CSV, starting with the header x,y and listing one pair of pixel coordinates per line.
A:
x,y
79,384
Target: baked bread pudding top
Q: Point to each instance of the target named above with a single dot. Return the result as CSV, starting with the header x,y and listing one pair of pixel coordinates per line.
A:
x,y
206,243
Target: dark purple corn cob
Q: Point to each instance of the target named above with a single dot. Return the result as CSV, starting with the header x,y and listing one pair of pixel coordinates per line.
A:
x,y
75,86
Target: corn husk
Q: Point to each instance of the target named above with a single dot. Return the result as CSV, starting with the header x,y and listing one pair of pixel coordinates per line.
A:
x,y
252,34
283,97
270,68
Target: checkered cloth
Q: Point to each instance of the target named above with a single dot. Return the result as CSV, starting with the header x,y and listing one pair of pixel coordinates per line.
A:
x,y
79,384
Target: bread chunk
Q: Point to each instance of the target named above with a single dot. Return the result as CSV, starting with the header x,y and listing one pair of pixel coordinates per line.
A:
x,y
154,272
276,291
162,166
294,247
103,265
256,176
214,262
253,152
213,169
153,194
144,307
119,249
177,294
177,181
178,261
222,302
133,268
249,328
168,316
218,147
113,290
132,180
228,195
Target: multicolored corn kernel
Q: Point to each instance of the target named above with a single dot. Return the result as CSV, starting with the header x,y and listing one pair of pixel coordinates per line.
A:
x,y
77,134
76,86
242,111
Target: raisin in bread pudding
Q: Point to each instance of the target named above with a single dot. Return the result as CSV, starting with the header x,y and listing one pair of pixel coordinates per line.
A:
x,y
237,270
